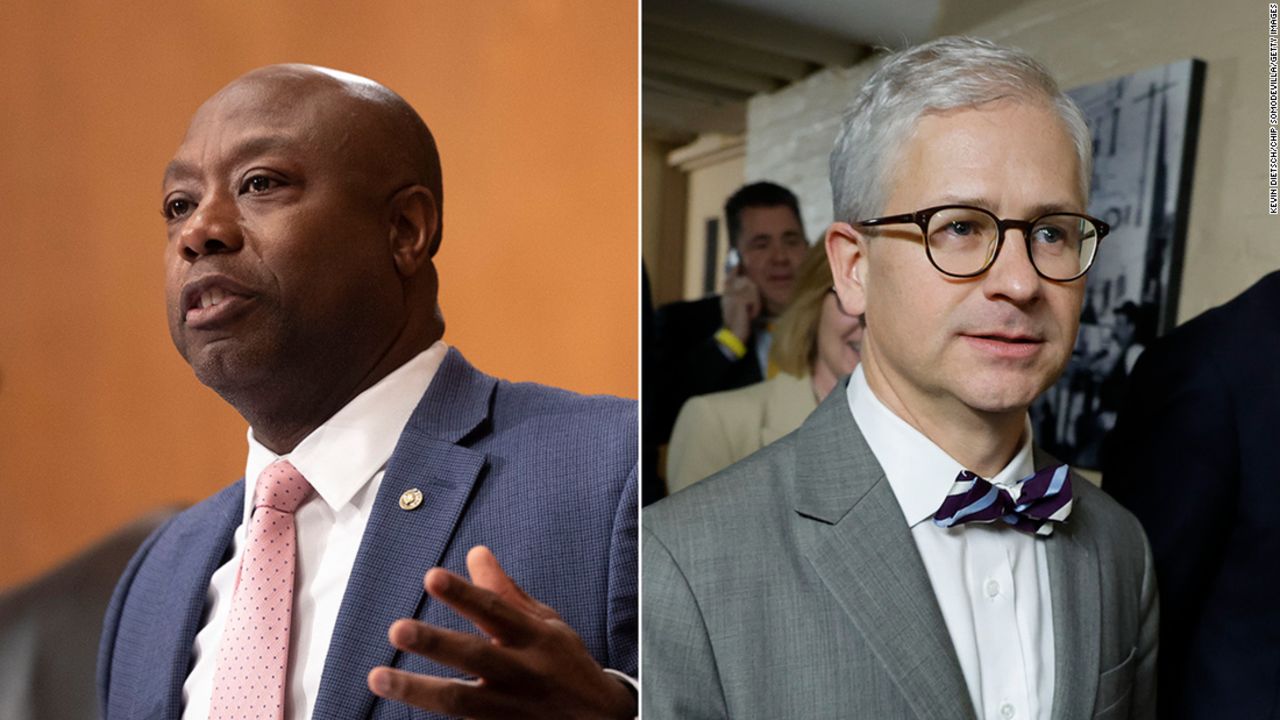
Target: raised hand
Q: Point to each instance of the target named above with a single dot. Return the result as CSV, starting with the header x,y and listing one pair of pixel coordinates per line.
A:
x,y
531,665
740,304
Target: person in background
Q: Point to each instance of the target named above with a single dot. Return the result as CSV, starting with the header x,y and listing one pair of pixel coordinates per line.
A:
x,y
1195,454
1117,361
722,342
815,344
1099,386
49,629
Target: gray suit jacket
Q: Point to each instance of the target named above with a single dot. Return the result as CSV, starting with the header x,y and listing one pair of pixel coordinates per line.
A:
x,y
789,585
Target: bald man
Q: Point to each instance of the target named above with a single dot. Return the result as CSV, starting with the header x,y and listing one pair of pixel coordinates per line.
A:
x,y
354,570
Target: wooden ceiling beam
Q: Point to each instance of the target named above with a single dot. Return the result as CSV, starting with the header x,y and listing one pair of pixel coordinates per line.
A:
x,y
742,81
754,30
691,88
723,51
675,116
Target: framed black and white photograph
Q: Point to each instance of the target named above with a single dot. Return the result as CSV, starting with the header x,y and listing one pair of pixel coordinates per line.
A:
x,y
1144,129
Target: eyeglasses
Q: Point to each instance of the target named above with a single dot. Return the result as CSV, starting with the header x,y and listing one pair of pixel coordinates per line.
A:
x,y
963,241
840,305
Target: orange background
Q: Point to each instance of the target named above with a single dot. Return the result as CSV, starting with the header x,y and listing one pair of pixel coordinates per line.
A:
x,y
534,107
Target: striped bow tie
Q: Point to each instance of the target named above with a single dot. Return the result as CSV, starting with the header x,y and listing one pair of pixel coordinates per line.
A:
x,y
1030,505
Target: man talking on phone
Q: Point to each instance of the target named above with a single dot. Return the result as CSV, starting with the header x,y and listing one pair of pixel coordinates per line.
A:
x,y
722,342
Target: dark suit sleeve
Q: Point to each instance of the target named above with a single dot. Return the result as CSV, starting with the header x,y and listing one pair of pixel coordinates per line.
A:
x,y
691,362
680,676
1172,462
709,370
624,590
111,622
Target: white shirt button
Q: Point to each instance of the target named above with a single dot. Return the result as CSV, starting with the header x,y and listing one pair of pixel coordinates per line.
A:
x,y
993,589
1007,710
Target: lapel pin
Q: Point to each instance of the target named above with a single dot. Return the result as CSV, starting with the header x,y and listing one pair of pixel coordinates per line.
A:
x,y
410,499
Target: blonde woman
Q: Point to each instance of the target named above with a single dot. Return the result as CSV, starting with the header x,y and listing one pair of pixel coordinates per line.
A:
x,y
815,344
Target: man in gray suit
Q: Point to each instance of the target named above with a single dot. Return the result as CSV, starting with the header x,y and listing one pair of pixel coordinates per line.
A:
x,y
908,553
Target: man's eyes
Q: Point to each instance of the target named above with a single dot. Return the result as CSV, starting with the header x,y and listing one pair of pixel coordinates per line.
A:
x,y
1049,235
259,184
788,240
959,227
177,207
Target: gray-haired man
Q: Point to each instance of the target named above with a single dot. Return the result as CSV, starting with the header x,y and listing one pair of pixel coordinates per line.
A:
x,y
907,553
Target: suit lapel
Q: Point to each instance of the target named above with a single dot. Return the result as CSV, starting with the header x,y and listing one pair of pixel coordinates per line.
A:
x,y
399,546
202,544
1077,612
862,549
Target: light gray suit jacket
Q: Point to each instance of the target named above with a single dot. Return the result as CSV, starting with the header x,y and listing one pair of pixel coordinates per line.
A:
x,y
789,586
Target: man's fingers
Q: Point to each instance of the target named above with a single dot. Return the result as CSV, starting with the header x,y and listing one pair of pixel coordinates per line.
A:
x,y
469,653
444,695
486,572
739,285
496,617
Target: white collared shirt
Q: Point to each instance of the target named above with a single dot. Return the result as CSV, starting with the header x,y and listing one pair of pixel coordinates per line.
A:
x,y
344,460
992,583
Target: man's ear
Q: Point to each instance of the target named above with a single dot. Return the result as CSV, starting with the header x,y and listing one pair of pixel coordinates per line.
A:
x,y
847,254
415,217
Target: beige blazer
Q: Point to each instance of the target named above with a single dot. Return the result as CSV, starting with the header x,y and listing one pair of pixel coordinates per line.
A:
x,y
715,431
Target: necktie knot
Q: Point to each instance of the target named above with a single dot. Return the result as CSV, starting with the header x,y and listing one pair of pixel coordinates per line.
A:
x,y
1030,505
281,487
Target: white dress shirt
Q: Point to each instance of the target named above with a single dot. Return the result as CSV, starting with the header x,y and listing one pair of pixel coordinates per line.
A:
x,y
992,583
344,460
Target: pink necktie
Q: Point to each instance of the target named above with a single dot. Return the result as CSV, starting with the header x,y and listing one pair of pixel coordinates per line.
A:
x,y
254,653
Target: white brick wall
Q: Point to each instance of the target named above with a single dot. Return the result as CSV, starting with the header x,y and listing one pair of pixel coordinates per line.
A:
x,y
790,133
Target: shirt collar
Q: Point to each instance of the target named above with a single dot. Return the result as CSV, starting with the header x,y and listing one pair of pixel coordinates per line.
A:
x,y
343,454
919,472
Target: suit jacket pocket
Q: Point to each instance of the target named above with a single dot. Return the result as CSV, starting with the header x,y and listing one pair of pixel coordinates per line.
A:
x,y
1114,689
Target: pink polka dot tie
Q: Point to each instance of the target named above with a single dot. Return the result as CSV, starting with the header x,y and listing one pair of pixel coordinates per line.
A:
x,y
249,682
